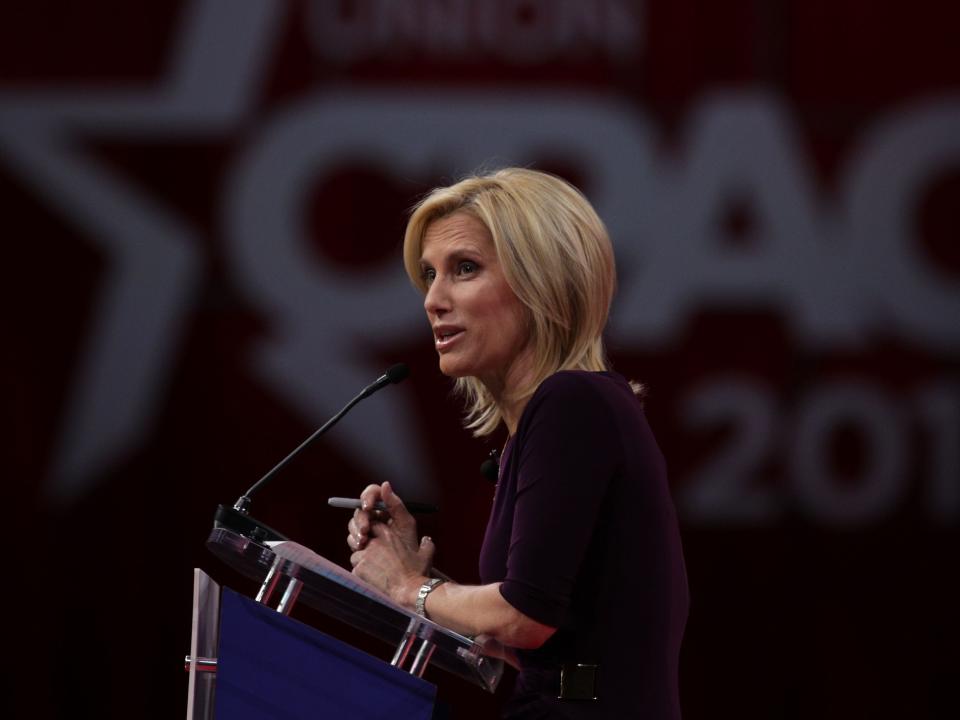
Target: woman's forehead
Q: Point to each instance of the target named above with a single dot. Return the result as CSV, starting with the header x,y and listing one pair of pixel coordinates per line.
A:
x,y
455,233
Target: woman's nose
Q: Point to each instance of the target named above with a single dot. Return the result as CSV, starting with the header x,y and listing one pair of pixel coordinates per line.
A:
x,y
437,300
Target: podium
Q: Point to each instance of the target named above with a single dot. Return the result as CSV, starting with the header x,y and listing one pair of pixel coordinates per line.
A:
x,y
249,659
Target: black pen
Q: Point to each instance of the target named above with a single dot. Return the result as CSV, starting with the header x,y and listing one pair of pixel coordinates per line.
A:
x,y
354,504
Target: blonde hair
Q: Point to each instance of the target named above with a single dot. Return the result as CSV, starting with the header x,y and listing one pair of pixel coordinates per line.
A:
x,y
557,258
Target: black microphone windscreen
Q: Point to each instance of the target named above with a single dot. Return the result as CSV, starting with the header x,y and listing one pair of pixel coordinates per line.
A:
x,y
397,372
490,470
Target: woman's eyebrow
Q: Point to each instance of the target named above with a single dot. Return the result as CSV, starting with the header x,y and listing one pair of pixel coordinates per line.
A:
x,y
466,249
456,254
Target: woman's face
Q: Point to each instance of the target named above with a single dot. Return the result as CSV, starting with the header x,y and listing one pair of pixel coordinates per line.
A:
x,y
480,327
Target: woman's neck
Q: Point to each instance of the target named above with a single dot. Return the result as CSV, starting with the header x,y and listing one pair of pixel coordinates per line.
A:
x,y
511,414
511,390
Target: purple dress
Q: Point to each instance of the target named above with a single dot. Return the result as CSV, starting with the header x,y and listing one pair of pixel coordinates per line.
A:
x,y
583,535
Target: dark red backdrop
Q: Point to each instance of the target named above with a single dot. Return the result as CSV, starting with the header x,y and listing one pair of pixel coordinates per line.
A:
x,y
816,477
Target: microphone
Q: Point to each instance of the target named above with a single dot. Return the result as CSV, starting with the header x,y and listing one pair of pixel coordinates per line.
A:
x,y
238,517
393,375
490,468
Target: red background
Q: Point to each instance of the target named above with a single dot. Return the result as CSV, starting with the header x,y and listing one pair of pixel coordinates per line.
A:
x,y
795,615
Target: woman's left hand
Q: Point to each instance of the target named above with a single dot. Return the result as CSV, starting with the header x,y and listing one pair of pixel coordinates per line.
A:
x,y
391,560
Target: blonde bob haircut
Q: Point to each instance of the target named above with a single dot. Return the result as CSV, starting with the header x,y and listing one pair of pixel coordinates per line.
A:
x,y
557,258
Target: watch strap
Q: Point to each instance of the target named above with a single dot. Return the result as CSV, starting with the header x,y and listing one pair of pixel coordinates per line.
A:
x,y
428,587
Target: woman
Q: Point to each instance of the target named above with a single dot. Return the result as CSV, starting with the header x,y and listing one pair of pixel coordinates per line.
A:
x,y
581,566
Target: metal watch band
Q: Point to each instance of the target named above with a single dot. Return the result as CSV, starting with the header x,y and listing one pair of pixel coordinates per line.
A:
x,y
425,589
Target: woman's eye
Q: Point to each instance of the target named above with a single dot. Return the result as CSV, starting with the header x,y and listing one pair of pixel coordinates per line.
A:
x,y
466,267
428,274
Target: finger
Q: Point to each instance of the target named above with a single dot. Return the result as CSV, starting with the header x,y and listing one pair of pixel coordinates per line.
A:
x,y
355,558
427,550
370,496
361,522
356,542
359,537
398,511
354,527
366,516
380,530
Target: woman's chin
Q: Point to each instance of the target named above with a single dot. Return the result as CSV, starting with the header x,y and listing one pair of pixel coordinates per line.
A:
x,y
452,369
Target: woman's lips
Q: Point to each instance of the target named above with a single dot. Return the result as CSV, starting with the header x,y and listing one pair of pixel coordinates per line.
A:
x,y
445,340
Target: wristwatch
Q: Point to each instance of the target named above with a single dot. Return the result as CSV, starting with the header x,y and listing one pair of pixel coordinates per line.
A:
x,y
428,587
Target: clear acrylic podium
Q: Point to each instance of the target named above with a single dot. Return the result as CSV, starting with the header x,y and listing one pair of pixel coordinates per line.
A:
x,y
415,641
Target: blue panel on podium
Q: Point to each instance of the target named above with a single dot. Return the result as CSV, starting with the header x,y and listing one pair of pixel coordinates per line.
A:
x,y
270,666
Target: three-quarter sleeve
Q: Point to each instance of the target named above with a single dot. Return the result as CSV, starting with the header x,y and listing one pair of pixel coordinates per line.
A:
x,y
567,455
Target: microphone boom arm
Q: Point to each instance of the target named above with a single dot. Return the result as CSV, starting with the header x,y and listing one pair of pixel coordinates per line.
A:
x,y
243,502
394,374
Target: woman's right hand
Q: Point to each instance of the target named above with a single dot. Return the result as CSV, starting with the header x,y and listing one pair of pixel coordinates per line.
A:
x,y
396,516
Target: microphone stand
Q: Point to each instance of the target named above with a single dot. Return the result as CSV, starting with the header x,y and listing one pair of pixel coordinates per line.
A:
x,y
238,518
